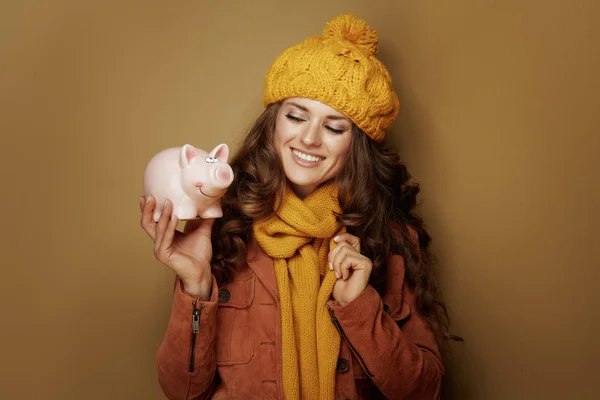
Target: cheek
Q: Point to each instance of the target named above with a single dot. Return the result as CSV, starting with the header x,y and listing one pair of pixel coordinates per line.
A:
x,y
281,133
276,139
284,134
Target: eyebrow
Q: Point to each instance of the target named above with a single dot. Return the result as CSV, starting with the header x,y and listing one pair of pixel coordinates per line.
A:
x,y
334,117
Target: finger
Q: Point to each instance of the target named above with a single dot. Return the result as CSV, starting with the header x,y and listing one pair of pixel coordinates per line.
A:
x,y
167,240
147,221
351,263
352,240
337,249
333,254
346,266
142,201
344,249
161,226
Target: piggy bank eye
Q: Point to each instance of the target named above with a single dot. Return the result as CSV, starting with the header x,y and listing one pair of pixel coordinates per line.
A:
x,y
211,160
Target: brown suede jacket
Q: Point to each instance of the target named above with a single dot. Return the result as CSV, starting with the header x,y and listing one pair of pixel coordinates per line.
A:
x,y
230,346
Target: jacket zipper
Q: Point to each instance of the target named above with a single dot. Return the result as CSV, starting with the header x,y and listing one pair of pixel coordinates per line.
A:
x,y
343,334
195,330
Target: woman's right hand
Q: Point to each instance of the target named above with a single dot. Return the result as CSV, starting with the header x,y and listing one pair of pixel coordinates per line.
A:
x,y
187,254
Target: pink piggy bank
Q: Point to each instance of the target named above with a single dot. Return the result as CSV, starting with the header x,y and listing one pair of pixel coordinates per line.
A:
x,y
191,178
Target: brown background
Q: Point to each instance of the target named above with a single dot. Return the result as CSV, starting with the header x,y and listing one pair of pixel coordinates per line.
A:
x,y
499,124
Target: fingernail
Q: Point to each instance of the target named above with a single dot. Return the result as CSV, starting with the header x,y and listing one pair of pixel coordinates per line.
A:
x,y
166,202
335,239
337,274
331,266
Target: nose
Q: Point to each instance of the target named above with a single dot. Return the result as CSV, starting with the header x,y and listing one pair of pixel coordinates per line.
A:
x,y
311,136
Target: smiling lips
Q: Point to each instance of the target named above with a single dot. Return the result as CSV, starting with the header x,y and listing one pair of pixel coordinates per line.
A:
x,y
306,158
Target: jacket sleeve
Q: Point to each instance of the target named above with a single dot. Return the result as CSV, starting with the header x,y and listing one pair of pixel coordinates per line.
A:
x,y
186,357
400,356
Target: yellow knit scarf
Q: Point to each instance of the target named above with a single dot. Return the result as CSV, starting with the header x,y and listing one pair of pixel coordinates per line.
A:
x,y
299,238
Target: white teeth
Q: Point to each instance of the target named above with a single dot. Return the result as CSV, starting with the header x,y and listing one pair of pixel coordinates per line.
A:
x,y
306,157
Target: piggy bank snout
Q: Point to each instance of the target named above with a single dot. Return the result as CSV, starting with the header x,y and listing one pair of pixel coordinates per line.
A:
x,y
223,175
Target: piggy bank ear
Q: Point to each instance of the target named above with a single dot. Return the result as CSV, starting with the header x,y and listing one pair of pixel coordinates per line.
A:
x,y
221,152
187,153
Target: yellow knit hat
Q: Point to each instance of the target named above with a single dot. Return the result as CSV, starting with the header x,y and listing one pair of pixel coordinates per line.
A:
x,y
338,68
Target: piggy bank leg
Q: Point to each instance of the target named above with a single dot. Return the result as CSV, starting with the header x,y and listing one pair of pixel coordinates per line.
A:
x,y
213,211
186,209
156,215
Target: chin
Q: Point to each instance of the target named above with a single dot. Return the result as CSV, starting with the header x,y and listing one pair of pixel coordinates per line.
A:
x,y
303,181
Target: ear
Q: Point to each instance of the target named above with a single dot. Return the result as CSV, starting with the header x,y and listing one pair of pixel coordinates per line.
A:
x,y
221,152
186,154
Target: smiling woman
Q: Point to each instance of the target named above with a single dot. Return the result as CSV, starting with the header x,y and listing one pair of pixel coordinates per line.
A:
x,y
315,284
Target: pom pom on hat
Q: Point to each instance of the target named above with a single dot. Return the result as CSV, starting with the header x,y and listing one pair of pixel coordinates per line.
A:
x,y
354,30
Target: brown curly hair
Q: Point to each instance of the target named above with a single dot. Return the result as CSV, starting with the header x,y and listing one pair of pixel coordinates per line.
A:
x,y
386,198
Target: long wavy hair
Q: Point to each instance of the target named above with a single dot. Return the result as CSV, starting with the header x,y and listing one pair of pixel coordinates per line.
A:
x,y
386,198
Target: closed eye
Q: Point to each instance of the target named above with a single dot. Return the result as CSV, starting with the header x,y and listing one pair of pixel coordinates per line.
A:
x,y
294,118
338,131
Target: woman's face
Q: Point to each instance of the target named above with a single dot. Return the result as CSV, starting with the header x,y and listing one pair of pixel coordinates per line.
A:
x,y
312,140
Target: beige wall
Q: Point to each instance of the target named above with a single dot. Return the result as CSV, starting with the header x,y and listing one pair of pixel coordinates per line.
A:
x,y
499,124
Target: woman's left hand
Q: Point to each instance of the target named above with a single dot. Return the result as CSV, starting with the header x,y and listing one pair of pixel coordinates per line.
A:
x,y
351,268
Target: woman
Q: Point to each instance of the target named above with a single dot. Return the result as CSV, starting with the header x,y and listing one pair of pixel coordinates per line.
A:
x,y
315,283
